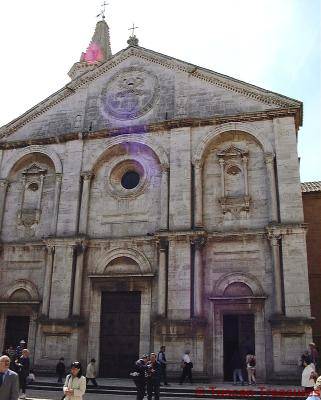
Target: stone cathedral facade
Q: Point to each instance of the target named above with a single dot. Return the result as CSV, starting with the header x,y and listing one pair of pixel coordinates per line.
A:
x,y
148,202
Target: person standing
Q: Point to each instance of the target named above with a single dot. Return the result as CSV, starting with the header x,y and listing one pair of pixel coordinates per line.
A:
x,y
187,366
91,372
9,381
308,374
161,358
153,377
19,348
236,364
61,369
75,384
139,376
250,367
314,355
23,365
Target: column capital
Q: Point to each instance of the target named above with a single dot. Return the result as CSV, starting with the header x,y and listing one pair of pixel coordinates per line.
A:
x,y
273,237
4,183
164,167
87,175
199,242
162,244
50,246
58,177
81,247
221,161
269,158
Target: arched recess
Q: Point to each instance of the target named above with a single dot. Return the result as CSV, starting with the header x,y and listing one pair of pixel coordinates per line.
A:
x,y
131,139
204,145
238,277
139,258
30,150
23,284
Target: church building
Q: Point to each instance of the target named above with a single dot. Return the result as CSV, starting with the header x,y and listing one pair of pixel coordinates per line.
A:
x,y
154,202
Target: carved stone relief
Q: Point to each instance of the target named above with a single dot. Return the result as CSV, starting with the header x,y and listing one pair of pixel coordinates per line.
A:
x,y
30,207
235,199
129,94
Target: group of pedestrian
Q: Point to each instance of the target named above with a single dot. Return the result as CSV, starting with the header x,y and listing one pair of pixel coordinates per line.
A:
x,y
91,371
147,376
239,364
150,371
16,365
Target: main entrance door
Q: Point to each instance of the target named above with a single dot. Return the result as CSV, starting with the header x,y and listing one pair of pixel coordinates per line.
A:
x,y
119,334
238,336
17,328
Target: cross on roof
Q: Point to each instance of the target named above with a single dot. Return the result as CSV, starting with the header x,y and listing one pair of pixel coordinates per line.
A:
x,y
102,12
133,30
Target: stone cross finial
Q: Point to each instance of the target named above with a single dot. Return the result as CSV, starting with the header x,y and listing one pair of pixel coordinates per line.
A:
x,y
133,41
133,30
102,12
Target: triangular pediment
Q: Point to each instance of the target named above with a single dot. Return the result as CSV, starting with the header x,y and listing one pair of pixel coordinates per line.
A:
x,y
164,88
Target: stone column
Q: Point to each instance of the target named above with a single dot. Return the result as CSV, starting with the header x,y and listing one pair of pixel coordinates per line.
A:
x,y
48,280
198,188
3,192
84,207
164,199
198,276
222,162
162,278
81,248
274,242
269,161
246,182
56,204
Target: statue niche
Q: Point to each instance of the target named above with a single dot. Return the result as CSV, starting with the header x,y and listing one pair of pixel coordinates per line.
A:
x,y
32,190
235,199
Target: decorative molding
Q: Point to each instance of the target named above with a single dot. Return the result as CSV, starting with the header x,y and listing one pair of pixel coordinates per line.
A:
x,y
211,77
133,254
152,127
30,150
127,88
204,145
25,285
248,279
131,139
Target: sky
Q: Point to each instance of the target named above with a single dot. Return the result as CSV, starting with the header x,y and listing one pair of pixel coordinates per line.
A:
x,y
274,44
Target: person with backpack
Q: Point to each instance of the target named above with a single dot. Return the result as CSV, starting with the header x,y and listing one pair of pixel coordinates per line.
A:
x,y
75,384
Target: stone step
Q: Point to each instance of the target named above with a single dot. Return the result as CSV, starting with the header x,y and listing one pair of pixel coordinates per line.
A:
x,y
190,393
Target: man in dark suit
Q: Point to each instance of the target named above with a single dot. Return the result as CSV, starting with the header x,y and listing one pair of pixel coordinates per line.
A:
x,y
9,381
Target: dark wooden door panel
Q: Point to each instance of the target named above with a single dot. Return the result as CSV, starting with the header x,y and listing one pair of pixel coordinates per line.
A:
x,y
17,328
119,334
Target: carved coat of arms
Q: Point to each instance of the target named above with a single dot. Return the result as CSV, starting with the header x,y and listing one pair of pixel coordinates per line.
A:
x,y
129,94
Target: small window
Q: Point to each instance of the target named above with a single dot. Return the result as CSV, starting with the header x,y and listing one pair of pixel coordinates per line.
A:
x,y
130,180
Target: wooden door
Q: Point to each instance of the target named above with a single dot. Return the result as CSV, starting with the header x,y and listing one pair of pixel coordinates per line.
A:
x,y
119,333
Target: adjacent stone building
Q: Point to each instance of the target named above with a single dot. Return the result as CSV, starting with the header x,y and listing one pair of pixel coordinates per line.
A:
x,y
311,193
148,202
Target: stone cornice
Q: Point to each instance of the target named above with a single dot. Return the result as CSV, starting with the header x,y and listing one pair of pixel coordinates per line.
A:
x,y
226,82
276,229
153,127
